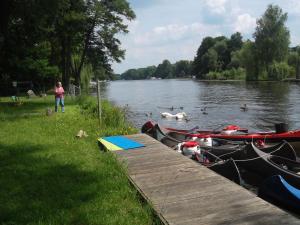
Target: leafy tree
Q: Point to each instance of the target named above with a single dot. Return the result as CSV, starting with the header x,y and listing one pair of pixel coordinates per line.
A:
x,y
248,60
182,68
279,71
48,39
164,70
272,37
294,60
235,42
199,67
223,53
210,59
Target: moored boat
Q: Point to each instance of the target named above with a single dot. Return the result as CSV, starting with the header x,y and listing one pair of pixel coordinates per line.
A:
x,y
269,164
228,169
234,133
278,191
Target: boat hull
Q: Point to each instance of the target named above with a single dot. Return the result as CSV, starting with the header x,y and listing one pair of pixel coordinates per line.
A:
x,y
268,165
275,189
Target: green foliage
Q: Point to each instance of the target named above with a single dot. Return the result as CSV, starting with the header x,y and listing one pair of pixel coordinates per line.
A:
x,y
215,54
86,75
164,70
113,118
294,60
182,68
138,74
272,37
231,74
40,39
248,60
280,71
179,69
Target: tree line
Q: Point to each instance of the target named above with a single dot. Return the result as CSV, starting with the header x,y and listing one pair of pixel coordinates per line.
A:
x,y
267,57
69,40
164,70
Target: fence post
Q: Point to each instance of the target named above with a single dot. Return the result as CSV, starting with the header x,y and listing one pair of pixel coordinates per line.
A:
x,y
99,101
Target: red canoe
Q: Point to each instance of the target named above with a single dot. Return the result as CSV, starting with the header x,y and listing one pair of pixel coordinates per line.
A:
x,y
235,133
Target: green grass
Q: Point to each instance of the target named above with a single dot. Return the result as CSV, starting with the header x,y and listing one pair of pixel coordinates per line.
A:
x,y
48,176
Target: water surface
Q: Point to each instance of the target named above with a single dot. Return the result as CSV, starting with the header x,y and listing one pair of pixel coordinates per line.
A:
x,y
267,102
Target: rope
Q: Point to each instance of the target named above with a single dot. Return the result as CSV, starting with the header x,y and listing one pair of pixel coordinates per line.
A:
x,y
266,154
229,153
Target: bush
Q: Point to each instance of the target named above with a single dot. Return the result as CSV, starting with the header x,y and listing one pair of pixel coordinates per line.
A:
x,y
112,117
232,74
279,71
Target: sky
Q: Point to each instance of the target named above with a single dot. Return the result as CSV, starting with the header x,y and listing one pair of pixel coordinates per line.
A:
x,y
174,29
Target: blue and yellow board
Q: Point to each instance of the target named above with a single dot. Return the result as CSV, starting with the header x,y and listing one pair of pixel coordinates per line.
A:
x,y
116,143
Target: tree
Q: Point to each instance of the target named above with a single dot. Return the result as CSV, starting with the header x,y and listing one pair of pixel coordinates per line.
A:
x,y
53,39
272,37
249,61
182,68
164,70
223,53
294,60
235,42
199,68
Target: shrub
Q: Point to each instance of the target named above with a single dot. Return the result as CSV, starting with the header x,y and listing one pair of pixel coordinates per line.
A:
x,y
279,71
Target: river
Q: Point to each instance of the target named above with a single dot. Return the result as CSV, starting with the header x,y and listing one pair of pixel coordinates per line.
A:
x,y
267,102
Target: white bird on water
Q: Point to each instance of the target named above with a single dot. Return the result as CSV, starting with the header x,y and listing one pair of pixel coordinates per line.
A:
x,y
178,116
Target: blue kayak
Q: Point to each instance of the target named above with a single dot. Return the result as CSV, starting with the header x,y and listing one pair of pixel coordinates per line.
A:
x,y
278,191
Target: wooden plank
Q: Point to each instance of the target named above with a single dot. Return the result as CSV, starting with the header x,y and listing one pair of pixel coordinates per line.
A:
x,y
184,192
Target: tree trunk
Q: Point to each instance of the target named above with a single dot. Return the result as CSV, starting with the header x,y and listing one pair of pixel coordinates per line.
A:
x,y
63,60
86,44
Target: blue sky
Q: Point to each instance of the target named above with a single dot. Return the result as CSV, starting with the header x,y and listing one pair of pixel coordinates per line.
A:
x,y
174,29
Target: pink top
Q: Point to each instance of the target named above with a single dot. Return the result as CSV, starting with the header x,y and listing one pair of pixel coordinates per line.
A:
x,y
59,92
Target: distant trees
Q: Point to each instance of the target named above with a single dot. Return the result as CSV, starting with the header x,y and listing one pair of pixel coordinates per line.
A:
x,y
268,57
215,54
265,58
272,39
164,70
294,60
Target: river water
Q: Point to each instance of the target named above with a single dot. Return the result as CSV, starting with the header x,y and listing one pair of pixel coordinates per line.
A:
x,y
267,102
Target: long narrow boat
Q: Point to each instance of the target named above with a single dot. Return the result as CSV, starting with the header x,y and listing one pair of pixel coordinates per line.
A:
x,y
267,165
277,190
222,149
228,169
233,133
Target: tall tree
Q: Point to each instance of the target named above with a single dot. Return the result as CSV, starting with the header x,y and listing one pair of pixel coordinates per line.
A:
x,y
164,70
249,61
199,68
272,37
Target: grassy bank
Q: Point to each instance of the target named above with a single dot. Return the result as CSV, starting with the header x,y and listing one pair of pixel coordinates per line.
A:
x,y
48,176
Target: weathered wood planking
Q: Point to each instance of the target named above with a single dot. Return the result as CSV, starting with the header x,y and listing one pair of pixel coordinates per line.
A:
x,y
183,192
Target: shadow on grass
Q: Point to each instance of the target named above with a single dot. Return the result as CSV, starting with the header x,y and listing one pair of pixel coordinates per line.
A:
x,y
38,190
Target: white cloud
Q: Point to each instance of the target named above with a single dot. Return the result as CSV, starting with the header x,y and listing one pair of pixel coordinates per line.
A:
x,y
293,6
217,6
245,23
173,32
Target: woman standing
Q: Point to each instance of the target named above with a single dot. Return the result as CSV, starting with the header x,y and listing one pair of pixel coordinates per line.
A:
x,y
59,96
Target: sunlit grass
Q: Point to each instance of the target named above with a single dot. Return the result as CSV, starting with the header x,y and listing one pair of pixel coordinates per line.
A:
x,y
48,176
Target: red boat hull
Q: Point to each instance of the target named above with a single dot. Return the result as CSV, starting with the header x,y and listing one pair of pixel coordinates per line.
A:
x,y
293,137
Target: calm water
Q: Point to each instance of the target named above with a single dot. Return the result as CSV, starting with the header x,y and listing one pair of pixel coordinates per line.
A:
x,y
267,102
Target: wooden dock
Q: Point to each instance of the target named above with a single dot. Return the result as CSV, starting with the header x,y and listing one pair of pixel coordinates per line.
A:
x,y
182,191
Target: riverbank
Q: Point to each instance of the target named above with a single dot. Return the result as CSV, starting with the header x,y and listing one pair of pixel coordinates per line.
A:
x,y
48,176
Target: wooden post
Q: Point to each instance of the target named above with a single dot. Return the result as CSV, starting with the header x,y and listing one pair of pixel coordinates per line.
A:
x,y
99,101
